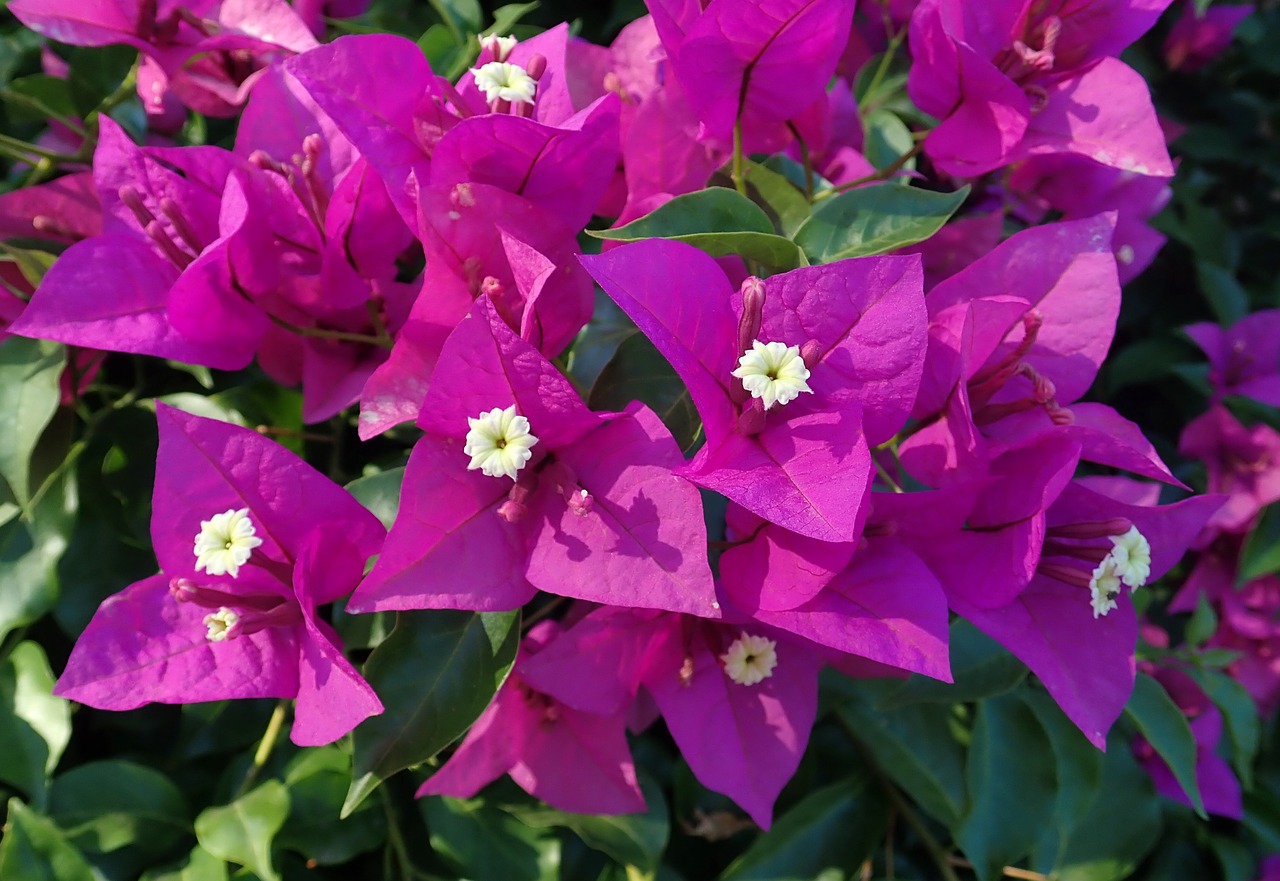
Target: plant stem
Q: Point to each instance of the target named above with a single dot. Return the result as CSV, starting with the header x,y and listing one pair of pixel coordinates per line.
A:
x,y
1007,871
398,849
883,174
323,334
25,152
739,163
265,746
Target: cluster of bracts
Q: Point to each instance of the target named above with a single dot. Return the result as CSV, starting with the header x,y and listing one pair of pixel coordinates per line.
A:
x,y
899,437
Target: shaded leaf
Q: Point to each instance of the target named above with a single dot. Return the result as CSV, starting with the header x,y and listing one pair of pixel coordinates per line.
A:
x,y
1166,729
630,839
483,841
379,493
317,781
980,666
34,849
242,831
1240,718
435,673
35,726
199,866
1261,553
29,395
638,372
875,219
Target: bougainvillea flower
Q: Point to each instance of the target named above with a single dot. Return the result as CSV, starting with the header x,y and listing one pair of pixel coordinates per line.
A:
x,y
425,133
243,623
800,464
1245,358
1200,35
739,699
752,63
1011,79
573,761
1045,625
1243,463
593,513
64,210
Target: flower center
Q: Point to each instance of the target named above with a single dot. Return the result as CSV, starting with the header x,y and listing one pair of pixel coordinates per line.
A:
x,y
220,624
1126,562
773,372
750,659
503,81
499,442
225,542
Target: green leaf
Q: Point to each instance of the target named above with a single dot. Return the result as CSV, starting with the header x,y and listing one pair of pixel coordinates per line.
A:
x,y
1012,789
1120,828
1240,718
887,138
34,849
435,673
980,666
35,726
121,815
1261,553
875,219
630,839
1078,770
507,17
32,263
482,841
199,866
833,828
242,831
462,16
29,554
317,781
29,396
783,201
596,345
915,747
38,98
639,372
96,72
1163,725
717,220
380,493
439,44
1202,624
1227,298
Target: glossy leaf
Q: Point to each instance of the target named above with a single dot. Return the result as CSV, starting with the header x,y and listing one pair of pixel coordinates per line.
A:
x,y
379,493
34,849
980,666
242,832
638,372
29,395
482,841
317,781
1164,726
875,219
435,674
1012,788
630,839
35,726
833,829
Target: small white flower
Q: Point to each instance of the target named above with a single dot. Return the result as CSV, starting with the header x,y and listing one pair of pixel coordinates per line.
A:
x,y
500,80
499,47
225,542
499,442
1132,557
220,624
750,659
774,372
1104,587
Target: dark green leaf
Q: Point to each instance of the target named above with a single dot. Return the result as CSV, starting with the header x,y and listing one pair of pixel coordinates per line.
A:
x,y
39,98
35,726
875,219
630,839
482,841
435,673
834,828
1078,769
1227,298
380,493
97,72
782,200
1202,624
1163,725
317,781
34,849
199,866
242,831
121,815
1120,828
1261,553
507,17
638,372
29,396
1240,718
1012,789
595,347
915,747
980,666
29,554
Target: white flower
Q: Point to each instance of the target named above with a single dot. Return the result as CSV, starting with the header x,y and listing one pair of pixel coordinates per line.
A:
x,y
225,542
499,442
500,80
1132,557
774,372
750,659
220,624
1104,587
499,47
